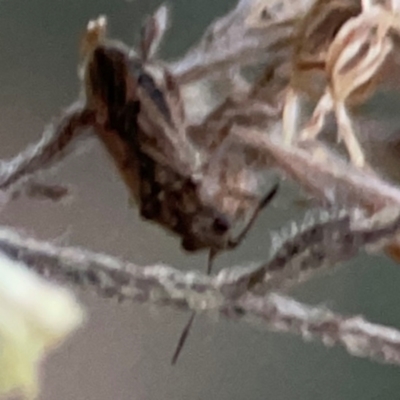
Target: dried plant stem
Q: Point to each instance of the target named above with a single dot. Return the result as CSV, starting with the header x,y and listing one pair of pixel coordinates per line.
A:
x,y
359,337
326,176
322,244
323,174
111,277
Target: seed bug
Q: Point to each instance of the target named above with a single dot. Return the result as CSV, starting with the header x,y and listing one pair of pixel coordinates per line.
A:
x,y
141,121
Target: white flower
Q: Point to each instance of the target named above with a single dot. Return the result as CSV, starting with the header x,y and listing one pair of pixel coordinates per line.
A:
x,y
35,315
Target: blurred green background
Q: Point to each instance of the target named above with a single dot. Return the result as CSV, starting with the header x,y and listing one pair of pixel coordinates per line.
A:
x,y
125,349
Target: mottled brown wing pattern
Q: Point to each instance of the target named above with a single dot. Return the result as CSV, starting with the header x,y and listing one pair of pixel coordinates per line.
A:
x,y
141,122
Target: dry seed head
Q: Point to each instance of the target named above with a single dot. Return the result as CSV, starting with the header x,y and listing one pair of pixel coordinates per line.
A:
x,y
359,50
318,28
312,39
352,65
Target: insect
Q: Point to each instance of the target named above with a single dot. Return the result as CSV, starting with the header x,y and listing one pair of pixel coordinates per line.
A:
x,y
351,63
141,121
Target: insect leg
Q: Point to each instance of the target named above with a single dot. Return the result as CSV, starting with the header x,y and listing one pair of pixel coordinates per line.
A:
x,y
211,256
182,338
185,332
263,203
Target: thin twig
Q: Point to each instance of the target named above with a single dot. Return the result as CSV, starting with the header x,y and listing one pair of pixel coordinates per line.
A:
x,y
323,174
111,277
321,243
359,337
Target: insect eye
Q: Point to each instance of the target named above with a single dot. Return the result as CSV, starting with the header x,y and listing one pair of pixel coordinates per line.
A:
x,y
220,225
